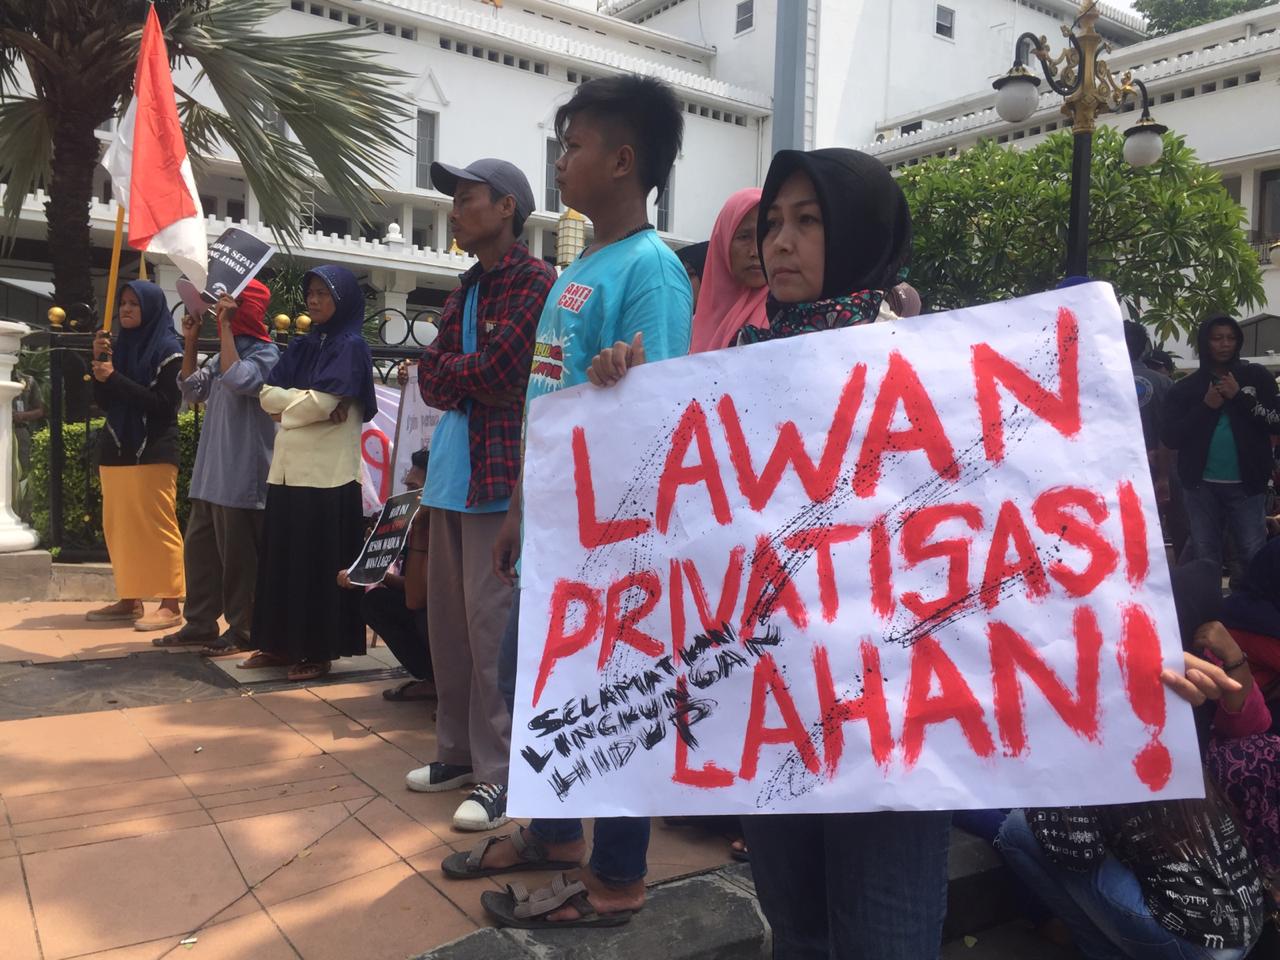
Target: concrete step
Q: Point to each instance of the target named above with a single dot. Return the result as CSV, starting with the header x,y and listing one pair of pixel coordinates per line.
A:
x,y
715,915
33,575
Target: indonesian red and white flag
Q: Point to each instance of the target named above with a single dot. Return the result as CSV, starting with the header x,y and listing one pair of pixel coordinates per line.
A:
x,y
150,171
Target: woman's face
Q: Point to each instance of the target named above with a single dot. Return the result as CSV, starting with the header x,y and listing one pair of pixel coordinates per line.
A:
x,y
794,243
744,253
130,310
320,304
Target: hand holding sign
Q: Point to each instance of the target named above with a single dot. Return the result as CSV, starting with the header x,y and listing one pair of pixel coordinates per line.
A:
x,y
234,259
611,364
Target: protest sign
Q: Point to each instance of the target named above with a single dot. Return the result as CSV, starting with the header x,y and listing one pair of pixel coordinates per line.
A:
x,y
414,427
909,565
386,541
234,259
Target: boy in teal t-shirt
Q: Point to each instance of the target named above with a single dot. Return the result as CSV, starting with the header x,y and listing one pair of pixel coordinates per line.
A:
x,y
631,287
628,294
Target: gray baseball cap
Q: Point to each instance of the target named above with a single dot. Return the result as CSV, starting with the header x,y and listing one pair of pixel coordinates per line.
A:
x,y
504,177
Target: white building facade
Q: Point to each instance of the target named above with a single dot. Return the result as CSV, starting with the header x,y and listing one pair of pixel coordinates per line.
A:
x,y
483,81
911,79
904,80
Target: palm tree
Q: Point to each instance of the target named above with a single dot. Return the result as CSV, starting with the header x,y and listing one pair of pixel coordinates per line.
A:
x,y
67,66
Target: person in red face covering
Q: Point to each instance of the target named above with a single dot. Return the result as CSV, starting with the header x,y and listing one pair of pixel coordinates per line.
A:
x,y
229,481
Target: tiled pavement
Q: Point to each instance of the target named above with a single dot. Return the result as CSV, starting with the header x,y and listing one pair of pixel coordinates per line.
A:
x,y
252,826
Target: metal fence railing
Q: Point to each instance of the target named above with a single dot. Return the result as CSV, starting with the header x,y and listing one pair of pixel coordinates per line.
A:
x,y
393,335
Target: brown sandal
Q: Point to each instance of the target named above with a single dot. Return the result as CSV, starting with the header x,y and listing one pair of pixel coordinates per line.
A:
x,y
307,670
532,854
517,907
261,660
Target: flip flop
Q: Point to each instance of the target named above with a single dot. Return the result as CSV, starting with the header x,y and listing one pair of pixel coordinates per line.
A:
x,y
303,672
397,694
517,907
532,854
261,661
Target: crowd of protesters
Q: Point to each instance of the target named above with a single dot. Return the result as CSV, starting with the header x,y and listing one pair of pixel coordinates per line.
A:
x,y
824,243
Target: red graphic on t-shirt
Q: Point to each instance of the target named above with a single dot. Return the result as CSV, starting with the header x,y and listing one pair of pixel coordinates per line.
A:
x,y
548,361
575,296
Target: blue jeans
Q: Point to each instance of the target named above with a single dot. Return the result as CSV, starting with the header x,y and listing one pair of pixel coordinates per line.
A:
x,y
1213,508
621,844
1103,908
854,886
619,849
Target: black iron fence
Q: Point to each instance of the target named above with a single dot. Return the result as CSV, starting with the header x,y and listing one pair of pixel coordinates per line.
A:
x,y
394,336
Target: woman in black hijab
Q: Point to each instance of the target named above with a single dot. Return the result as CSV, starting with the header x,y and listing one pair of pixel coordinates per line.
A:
x,y
835,236
136,385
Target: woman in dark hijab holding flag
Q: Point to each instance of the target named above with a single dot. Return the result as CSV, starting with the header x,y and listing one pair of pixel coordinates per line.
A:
x,y
320,392
136,383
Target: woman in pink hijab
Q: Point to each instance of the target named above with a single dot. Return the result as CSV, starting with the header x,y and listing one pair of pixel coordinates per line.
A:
x,y
733,284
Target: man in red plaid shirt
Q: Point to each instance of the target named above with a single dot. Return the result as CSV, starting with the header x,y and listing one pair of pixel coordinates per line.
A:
x,y
476,371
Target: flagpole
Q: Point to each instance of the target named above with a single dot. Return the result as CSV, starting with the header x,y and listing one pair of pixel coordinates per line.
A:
x,y
114,277
142,266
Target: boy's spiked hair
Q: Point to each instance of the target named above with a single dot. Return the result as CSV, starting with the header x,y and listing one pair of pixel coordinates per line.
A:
x,y
643,112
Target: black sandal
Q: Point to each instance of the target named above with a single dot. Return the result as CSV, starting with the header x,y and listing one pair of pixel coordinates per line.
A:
x,y
533,856
398,694
177,639
223,645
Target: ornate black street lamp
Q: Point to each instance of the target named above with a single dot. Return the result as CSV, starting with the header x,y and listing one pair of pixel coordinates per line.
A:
x,y
1088,88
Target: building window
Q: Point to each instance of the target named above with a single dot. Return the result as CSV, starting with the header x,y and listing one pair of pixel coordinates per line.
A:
x,y
665,204
1269,205
552,198
907,128
744,17
426,147
235,210
944,22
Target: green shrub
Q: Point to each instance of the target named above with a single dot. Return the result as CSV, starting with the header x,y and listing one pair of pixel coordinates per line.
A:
x,y
81,492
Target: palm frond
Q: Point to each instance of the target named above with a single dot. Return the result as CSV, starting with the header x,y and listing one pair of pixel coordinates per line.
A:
x,y
334,95
26,147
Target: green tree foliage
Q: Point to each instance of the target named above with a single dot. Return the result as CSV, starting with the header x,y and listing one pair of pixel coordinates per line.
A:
x,y
991,224
67,66
1169,16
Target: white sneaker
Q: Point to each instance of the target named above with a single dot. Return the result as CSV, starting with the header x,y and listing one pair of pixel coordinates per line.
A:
x,y
436,777
484,809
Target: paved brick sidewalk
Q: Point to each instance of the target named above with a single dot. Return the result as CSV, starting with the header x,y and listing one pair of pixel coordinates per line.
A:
x,y
269,825
46,631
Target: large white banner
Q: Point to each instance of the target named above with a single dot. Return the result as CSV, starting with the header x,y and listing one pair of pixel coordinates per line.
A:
x,y
912,565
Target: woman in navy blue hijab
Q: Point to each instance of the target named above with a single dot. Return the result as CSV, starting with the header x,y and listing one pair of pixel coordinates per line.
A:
x,y
320,392
136,385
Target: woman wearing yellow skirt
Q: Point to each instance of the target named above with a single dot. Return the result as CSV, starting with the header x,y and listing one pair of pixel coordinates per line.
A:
x,y
136,384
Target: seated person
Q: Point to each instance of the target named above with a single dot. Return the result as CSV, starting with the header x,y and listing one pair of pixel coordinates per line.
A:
x,y
1252,614
1147,881
396,609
